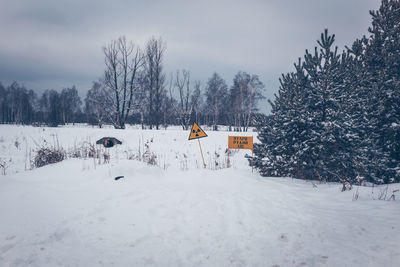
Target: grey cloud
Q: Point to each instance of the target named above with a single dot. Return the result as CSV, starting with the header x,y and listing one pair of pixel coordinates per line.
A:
x,y
50,42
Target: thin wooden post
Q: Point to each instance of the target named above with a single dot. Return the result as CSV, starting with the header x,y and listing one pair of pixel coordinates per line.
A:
x,y
228,163
252,159
201,151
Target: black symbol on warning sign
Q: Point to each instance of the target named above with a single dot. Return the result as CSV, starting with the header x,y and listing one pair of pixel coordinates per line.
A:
x,y
196,131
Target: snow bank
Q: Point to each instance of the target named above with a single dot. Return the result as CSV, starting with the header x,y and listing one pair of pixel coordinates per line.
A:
x,y
75,214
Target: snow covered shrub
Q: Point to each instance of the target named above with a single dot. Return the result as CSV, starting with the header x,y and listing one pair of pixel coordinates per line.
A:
x,y
4,164
106,157
216,162
148,156
393,197
17,143
86,150
383,194
355,195
130,155
184,162
48,155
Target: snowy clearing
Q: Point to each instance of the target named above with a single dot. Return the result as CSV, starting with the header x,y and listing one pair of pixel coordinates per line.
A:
x,y
74,213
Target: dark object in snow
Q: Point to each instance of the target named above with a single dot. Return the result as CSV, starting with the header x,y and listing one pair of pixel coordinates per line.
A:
x,y
46,155
118,177
108,141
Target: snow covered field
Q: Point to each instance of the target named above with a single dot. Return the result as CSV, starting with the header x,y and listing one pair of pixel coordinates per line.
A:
x,y
175,213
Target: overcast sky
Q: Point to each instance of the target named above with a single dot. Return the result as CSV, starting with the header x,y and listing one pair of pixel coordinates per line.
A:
x,y
52,44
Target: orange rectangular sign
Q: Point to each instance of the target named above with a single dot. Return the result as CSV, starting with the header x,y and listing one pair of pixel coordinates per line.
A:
x,y
240,142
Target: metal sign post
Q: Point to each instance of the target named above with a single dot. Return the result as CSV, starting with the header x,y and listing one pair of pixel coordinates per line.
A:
x,y
242,142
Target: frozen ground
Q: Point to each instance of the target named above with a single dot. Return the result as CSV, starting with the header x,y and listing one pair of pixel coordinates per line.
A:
x,y
175,213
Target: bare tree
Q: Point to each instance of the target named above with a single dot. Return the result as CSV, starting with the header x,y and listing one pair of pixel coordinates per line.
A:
x,y
244,96
70,104
168,110
188,97
17,104
50,106
140,101
123,61
196,101
3,104
95,101
216,100
154,81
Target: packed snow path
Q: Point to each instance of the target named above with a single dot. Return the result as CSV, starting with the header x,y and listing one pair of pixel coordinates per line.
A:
x,y
68,214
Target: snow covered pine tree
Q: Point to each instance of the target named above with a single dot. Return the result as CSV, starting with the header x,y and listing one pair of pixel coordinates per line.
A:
x,y
380,89
337,118
306,137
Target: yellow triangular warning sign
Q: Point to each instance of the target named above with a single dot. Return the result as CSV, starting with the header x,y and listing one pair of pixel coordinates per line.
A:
x,y
196,132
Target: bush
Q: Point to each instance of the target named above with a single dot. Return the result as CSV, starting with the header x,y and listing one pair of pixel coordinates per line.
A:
x,y
86,150
45,156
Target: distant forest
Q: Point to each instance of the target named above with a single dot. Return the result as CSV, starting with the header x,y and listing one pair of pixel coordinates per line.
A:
x,y
135,89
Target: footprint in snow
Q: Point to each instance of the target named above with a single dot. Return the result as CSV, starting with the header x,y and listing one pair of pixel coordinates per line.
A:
x,y
283,237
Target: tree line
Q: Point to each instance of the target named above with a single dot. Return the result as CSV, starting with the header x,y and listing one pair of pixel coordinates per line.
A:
x,y
22,106
135,89
336,116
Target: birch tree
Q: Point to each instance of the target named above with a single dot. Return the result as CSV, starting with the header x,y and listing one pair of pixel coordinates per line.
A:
x,y
216,99
244,96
